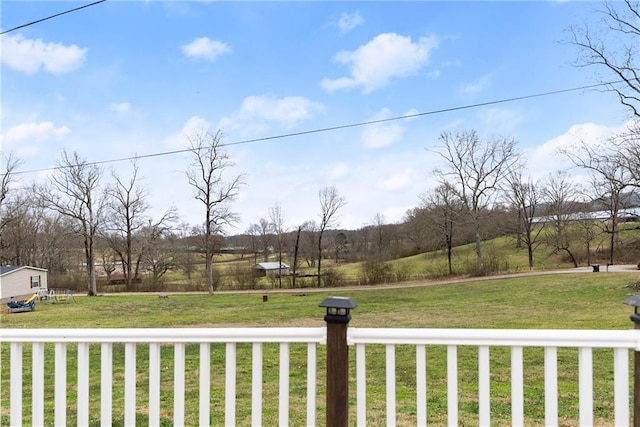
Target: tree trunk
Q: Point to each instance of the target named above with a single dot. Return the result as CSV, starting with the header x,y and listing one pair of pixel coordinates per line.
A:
x,y
90,261
319,257
209,271
295,257
129,261
614,232
573,258
480,264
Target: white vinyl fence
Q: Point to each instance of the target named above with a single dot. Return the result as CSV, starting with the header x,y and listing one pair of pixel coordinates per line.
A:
x,y
15,341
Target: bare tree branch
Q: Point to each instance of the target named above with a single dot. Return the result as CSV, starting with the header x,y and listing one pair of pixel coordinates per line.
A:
x,y
207,177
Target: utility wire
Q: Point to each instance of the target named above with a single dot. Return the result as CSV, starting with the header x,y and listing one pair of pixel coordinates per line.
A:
x,y
329,129
49,17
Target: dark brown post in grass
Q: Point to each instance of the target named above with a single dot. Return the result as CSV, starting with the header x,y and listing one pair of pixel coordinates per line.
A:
x,y
634,301
337,318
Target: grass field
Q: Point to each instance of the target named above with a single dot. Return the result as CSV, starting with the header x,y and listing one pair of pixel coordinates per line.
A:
x,y
562,301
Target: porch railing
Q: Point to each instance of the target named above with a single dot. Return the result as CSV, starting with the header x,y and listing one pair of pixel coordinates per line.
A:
x,y
621,342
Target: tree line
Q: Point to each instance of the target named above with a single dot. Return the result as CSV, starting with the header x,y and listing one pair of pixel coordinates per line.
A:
x,y
75,219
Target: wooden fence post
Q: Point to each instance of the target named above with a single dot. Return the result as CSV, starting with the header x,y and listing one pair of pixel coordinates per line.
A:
x,y
337,318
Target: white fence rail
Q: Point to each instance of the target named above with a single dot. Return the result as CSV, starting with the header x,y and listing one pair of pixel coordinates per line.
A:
x,y
550,340
621,342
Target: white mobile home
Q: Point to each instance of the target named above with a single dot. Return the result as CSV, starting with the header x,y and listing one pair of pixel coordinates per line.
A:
x,y
18,281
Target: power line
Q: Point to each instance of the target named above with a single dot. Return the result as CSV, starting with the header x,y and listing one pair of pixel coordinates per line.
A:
x,y
50,17
329,129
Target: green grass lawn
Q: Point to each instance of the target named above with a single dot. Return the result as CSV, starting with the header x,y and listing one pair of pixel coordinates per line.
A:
x,y
562,301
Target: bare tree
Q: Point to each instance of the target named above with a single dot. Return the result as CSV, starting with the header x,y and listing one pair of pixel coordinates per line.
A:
x,y
206,176
330,203
7,175
561,195
74,193
278,225
159,254
378,223
415,229
265,230
445,209
475,171
609,179
613,46
308,228
627,144
127,214
525,198
253,231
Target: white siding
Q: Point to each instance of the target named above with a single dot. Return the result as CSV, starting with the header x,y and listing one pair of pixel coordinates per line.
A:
x,y
18,282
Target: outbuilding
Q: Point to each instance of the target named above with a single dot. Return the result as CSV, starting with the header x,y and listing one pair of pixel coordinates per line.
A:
x,y
20,281
271,269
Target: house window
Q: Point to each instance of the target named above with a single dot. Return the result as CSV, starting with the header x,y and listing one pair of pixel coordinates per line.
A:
x,y
35,281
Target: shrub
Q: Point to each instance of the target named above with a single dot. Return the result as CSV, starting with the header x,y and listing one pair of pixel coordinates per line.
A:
x,y
331,278
374,272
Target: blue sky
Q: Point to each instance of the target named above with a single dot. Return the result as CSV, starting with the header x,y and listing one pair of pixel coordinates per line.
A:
x,y
121,79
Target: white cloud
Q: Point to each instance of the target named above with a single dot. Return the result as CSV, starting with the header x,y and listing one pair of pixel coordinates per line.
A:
x,y
398,180
475,87
349,21
30,56
338,171
381,134
411,112
32,132
120,107
499,121
194,125
387,57
205,48
258,113
546,158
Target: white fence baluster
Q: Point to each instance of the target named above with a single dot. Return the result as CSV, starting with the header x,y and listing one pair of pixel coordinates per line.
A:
x,y
585,384
312,383
155,361
178,383
620,341
83,384
551,386
60,395
421,385
517,387
484,392
230,385
37,384
256,386
452,385
390,351
361,385
130,384
283,406
621,387
106,384
16,384
205,384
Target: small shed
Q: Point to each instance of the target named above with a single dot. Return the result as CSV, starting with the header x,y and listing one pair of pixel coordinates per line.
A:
x,y
271,269
18,281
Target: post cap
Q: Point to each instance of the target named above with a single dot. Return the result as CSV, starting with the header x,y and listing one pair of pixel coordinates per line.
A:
x,y
338,309
338,302
633,301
